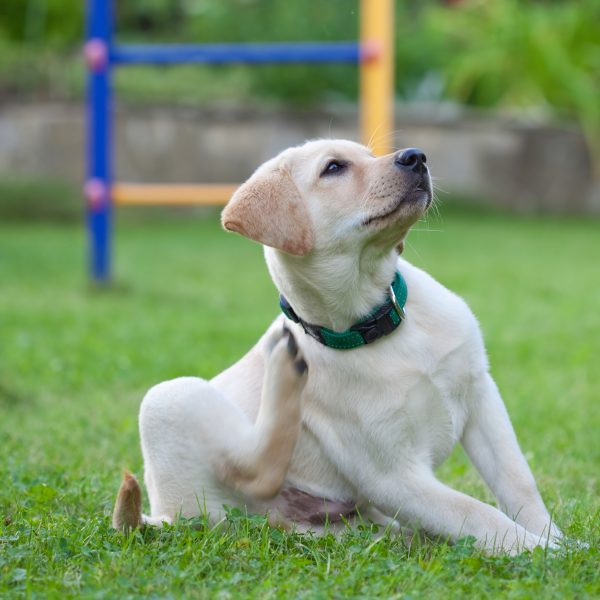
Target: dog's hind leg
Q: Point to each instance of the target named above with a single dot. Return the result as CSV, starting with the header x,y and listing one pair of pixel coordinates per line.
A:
x,y
201,451
259,469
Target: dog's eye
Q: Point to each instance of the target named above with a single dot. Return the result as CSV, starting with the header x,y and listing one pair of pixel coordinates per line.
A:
x,y
334,167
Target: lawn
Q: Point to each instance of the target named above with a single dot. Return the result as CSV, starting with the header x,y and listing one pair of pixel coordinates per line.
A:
x,y
190,299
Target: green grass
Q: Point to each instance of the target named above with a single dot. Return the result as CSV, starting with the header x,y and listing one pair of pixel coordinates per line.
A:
x,y
190,299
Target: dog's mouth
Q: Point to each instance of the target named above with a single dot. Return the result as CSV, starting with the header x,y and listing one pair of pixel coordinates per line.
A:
x,y
419,196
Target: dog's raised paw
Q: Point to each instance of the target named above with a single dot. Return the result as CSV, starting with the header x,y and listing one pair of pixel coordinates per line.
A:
x,y
285,354
292,347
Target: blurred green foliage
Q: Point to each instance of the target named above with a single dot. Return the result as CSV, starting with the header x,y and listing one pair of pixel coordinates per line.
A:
x,y
510,53
540,55
54,22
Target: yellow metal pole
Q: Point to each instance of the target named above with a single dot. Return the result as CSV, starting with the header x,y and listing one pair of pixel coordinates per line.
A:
x,y
377,74
208,194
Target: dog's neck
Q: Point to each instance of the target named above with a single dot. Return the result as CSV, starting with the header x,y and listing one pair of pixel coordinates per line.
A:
x,y
333,291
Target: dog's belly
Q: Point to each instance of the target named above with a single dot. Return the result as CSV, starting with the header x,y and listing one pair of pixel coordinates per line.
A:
x,y
297,506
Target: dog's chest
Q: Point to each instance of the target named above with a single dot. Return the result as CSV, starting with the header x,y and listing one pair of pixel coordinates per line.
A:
x,y
371,415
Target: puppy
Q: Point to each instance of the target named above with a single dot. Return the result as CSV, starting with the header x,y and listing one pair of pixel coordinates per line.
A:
x,y
397,375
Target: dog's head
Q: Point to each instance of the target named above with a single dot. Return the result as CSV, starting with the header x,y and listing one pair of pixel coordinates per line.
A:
x,y
331,195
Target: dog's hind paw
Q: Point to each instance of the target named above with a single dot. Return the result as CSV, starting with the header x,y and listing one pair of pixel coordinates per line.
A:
x,y
292,347
284,338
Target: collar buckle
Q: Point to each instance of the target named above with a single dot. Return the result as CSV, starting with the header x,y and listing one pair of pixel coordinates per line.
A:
x,y
374,328
312,330
399,309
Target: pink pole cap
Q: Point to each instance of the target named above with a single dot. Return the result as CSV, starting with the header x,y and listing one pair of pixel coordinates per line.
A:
x,y
94,191
95,52
370,50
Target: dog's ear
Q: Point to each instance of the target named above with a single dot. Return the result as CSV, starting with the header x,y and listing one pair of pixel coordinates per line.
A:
x,y
268,209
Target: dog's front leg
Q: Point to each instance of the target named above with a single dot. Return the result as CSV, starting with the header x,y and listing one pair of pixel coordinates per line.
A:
x,y
418,499
491,444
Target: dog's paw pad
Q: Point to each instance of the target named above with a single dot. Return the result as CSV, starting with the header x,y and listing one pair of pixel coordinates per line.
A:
x,y
300,366
292,344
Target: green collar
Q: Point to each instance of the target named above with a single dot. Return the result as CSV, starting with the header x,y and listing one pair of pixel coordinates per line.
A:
x,y
380,322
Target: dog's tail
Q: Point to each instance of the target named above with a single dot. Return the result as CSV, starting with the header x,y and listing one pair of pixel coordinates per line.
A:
x,y
128,507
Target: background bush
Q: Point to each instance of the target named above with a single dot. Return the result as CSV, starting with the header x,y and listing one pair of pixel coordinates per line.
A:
x,y
539,55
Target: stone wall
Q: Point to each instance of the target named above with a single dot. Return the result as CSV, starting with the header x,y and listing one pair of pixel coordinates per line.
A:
x,y
526,167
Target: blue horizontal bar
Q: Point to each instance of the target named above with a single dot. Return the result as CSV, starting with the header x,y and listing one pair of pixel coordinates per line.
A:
x,y
301,52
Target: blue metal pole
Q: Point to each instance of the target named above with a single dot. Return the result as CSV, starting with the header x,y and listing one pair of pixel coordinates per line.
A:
x,y
219,54
99,163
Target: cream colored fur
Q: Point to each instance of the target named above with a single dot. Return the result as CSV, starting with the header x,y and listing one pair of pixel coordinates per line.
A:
x,y
368,425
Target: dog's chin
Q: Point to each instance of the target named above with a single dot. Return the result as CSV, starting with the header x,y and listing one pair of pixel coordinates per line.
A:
x,y
403,211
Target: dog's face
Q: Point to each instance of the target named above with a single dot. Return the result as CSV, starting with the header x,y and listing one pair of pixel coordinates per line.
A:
x,y
331,195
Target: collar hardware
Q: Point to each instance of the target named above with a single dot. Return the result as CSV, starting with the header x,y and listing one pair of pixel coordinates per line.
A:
x,y
380,322
399,309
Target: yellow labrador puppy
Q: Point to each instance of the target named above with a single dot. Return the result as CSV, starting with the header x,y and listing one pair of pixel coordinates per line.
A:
x,y
397,375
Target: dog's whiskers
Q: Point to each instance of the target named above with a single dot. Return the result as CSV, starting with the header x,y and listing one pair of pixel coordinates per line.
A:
x,y
383,138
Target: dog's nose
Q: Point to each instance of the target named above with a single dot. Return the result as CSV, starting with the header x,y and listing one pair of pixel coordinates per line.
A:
x,y
412,158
